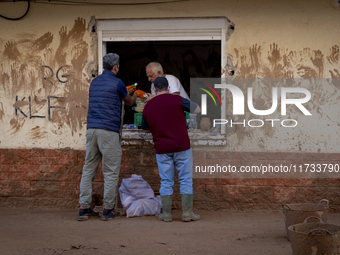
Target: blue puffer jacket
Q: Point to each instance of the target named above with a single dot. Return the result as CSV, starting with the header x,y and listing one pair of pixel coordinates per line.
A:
x,y
104,103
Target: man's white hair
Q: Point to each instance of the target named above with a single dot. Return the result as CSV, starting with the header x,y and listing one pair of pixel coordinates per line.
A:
x,y
155,67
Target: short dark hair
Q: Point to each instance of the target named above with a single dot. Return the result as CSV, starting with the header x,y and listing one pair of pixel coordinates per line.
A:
x,y
110,60
161,84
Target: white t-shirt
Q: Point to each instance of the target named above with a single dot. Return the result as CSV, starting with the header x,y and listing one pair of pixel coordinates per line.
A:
x,y
175,86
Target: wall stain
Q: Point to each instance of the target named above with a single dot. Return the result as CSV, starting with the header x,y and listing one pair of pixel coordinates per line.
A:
x,y
317,61
255,56
42,42
19,104
2,112
333,58
306,72
274,55
31,68
280,62
11,51
39,101
36,133
16,124
284,63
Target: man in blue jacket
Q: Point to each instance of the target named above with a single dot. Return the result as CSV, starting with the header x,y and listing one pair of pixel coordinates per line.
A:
x,y
103,138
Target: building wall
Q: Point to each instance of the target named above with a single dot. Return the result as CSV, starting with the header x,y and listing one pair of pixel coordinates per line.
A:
x,y
49,58
50,178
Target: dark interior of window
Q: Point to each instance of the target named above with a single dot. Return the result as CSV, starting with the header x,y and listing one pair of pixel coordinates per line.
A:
x,y
183,59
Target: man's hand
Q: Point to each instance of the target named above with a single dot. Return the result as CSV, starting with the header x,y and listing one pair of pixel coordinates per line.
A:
x,y
141,93
130,100
149,98
131,88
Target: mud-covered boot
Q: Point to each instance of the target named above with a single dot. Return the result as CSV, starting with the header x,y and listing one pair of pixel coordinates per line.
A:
x,y
187,201
166,205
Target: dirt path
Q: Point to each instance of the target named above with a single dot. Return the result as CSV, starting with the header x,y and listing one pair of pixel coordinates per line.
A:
x,y
47,231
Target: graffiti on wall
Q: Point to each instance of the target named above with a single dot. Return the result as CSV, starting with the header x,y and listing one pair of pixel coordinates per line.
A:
x,y
19,103
62,78
42,77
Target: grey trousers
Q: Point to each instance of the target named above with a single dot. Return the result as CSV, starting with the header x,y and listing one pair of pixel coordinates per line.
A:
x,y
101,145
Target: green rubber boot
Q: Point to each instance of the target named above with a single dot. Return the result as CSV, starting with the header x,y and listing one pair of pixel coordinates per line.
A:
x,y
188,215
166,205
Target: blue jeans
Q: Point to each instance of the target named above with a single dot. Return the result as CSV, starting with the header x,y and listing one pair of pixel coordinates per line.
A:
x,y
166,166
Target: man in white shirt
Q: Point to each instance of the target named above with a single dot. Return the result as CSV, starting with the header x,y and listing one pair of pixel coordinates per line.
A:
x,y
154,70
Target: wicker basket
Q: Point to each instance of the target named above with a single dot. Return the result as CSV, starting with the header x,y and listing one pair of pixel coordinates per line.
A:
x,y
297,213
315,238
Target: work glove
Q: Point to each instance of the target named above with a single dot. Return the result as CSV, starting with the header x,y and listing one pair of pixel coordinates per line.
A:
x,y
141,93
131,88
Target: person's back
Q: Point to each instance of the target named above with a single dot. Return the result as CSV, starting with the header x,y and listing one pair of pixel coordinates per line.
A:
x,y
165,117
105,102
103,138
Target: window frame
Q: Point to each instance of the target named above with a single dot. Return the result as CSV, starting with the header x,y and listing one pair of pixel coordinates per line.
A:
x,y
165,29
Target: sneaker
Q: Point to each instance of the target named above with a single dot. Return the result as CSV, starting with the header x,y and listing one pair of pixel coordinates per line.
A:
x,y
85,214
109,214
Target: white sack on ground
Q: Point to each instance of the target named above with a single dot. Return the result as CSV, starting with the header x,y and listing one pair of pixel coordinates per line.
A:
x,y
138,198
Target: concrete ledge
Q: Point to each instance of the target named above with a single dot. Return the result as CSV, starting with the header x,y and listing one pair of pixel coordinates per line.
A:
x,y
197,138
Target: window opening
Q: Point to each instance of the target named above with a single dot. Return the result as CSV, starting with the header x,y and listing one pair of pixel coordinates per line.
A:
x,y
183,59
164,30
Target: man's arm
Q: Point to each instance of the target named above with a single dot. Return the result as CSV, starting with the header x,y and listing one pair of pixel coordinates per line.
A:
x,y
197,110
130,100
175,93
174,84
190,106
176,88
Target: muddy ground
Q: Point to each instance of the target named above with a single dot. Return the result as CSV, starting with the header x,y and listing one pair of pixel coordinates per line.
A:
x,y
56,231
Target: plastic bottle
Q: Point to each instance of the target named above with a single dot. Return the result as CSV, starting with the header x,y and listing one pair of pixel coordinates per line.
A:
x,y
135,86
192,122
192,125
215,130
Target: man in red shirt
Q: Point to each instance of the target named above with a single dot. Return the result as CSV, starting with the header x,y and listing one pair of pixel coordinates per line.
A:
x,y
164,117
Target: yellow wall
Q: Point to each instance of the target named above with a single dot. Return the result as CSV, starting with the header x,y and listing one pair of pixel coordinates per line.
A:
x,y
272,39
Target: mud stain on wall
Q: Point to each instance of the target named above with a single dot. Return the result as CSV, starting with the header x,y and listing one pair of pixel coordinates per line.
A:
x,y
16,124
52,78
333,57
11,51
2,112
280,62
73,51
42,42
36,133
39,101
283,63
19,104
